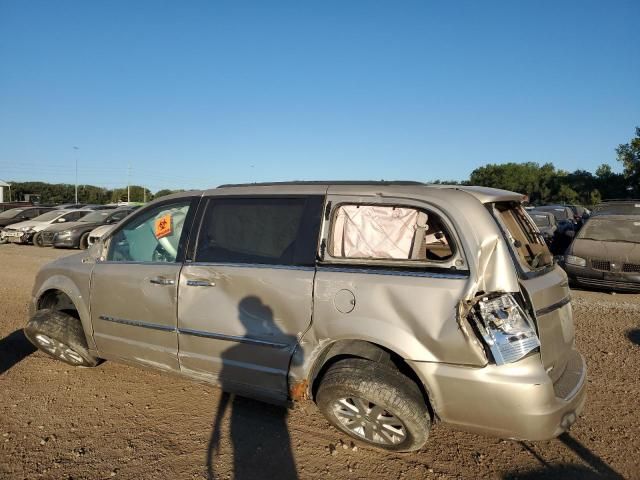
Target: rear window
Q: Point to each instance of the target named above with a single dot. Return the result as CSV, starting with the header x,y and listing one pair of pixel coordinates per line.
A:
x,y
379,232
524,238
540,220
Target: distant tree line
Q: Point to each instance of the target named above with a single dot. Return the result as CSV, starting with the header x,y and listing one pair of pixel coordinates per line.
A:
x,y
65,193
546,184
542,183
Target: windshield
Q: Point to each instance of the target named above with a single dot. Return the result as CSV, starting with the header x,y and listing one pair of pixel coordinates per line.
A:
x,y
11,213
96,217
611,230
47,217
541,220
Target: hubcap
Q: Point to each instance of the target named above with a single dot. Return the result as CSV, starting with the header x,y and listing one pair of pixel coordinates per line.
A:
x,y
369,421
58,349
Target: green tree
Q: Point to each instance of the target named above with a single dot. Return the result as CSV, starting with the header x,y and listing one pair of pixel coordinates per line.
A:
x,y
629,155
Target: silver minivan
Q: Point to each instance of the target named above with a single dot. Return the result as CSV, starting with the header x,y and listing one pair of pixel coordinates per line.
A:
x,y
391,305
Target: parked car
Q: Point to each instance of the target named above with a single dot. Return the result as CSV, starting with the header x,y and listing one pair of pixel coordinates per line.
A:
x,y
427,302
69,206
580,214
97,233
15,215
606,253
618,207
23,232
567,225
548,226
76,234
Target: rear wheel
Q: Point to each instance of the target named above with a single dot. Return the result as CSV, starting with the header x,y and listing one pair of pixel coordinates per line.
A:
x,y
84,241
375,404
61,336
37,239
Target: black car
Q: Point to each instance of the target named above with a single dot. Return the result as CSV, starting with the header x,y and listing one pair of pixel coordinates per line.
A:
x,y
566,225
580,214
21,214
76,234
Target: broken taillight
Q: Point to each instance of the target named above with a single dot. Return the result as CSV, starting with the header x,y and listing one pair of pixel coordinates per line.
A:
x,y
505,327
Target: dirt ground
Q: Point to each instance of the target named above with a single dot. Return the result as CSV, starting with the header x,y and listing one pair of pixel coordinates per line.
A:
x,y
116,421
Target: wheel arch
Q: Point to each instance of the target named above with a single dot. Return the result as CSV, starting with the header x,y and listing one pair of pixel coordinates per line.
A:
x,y
60,291
357,348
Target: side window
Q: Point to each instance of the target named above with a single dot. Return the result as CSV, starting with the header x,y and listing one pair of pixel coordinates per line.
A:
x,y
386,232
152,237
73,216
116,217
275,231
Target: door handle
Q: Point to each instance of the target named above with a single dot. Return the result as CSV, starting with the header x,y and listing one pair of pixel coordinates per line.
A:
x,y
162,281
200,283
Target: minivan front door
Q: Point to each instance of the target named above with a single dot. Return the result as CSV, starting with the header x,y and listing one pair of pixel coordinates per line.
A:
x,y
246,297
134,291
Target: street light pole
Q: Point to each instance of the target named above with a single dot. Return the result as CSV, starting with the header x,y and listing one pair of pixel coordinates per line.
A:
x,y
76,155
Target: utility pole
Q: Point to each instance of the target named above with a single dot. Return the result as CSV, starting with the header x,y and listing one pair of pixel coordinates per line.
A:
x,y
129,183
76,155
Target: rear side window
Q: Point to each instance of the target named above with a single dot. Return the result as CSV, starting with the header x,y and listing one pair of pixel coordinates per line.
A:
x,y
524,238
273,231
385,232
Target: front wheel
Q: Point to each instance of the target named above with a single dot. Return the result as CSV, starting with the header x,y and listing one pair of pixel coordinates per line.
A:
x,y
84,241
61,336
375,404
37,239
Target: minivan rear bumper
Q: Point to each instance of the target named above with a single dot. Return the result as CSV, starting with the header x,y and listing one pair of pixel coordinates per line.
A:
x,y
517,400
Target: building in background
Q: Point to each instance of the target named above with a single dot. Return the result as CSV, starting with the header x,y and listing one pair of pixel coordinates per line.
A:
x,y
2,187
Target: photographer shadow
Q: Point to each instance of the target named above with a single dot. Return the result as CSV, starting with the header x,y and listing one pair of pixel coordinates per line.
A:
x,y
261,445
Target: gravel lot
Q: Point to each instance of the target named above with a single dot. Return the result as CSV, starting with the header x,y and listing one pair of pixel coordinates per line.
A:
x,y
117,421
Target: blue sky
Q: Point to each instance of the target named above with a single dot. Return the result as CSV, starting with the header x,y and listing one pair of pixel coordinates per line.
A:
x,y
198,93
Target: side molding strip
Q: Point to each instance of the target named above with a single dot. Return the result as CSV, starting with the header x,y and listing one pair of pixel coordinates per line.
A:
x,y
195,333
133,323
231,338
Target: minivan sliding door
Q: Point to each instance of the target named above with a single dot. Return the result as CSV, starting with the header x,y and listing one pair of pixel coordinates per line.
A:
x,y
246,296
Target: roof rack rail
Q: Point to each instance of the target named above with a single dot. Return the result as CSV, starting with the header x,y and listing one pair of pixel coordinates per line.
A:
x,y
324,182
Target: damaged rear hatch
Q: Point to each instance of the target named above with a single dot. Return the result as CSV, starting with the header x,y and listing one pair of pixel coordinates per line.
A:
x,y
544,286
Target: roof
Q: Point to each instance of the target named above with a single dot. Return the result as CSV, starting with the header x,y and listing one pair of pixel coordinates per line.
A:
x,y
4,184
483,194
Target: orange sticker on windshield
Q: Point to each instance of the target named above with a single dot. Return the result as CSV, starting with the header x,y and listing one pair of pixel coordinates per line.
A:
x,y
164,226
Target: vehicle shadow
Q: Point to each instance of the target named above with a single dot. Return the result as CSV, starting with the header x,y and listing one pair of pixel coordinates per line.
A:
x,y
634,335
260,441
13,349
595,467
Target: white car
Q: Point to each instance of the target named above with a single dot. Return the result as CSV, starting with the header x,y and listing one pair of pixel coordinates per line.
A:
x,y
23,232
98,232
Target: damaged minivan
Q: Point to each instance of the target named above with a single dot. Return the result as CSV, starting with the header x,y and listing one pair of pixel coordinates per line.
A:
x,y
391,305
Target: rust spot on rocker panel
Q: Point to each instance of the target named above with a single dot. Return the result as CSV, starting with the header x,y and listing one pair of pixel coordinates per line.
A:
x,y
299,390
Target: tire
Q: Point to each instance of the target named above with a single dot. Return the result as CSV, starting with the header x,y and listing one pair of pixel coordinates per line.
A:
x,y
37,240
61,336
395,416
84,241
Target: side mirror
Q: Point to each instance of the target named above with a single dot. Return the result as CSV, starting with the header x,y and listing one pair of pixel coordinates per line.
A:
x,y
61,220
